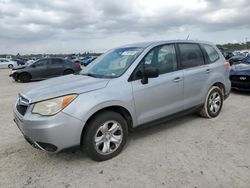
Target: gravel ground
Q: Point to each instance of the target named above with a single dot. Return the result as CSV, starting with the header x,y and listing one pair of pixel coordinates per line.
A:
x,y
186,152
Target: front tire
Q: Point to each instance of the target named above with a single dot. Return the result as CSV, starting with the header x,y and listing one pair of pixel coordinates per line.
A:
x,y
105,136
213,103
25,77
10,66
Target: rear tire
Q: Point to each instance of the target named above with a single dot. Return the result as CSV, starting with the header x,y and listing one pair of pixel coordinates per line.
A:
x,y
25,77
213,103
105,136
68,71
10,66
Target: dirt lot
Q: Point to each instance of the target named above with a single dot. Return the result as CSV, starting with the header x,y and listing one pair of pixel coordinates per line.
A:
x,y
187,152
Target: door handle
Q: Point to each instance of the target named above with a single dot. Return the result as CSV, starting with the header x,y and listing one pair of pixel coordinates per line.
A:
x,y
177,79
208,71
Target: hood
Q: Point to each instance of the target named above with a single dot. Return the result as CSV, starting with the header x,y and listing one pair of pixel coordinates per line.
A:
x,y
19,67
240,69
63,85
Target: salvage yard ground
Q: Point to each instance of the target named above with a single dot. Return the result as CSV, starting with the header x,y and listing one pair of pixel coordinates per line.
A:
x,y
187,152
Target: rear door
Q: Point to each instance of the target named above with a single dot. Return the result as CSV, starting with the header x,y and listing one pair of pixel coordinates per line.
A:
x,y
195,73
163,95
56,67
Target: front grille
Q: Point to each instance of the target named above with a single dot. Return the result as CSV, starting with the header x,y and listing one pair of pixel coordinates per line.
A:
x,y
22,105
240,78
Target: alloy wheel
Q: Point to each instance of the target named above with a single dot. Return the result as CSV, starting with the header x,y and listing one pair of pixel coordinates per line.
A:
x,y
108,137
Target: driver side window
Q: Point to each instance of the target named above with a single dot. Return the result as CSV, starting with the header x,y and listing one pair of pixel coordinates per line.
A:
x,y
41,63
161,57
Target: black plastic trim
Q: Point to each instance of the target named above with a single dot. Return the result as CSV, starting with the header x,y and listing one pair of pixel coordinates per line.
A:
x,y
170,117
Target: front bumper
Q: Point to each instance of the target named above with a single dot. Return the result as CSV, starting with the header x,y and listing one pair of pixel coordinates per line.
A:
x,y
50,133
14,76
241,86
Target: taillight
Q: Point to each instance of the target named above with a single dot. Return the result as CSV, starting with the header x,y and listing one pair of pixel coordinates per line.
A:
x,y
227,65
78,65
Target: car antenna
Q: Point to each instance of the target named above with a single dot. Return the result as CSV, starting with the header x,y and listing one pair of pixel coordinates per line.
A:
x,y
188,37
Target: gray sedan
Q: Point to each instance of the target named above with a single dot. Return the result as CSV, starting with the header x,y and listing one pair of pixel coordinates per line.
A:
x,y
45,68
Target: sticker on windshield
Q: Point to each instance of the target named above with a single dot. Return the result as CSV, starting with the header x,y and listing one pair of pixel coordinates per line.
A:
x,y
130,53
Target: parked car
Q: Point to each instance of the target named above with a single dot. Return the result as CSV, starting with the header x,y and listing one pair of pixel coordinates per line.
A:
x,y
88,61
236,59
20,62
7,63
240,75
45,68
228,55
125,88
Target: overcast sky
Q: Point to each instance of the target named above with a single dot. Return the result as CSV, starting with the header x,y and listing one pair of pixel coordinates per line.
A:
x,y
72,26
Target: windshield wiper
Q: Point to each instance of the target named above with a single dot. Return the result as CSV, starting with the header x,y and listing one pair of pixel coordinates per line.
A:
x,y
90,74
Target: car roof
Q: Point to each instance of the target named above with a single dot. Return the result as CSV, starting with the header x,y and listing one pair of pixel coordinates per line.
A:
x,y
52,58
154,43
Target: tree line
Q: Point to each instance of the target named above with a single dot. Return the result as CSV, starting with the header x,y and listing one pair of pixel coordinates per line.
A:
x,y
235,46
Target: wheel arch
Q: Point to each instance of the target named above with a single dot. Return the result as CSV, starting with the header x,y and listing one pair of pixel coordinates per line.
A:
x,y
25,72
221,86
68,69
115,108
10,64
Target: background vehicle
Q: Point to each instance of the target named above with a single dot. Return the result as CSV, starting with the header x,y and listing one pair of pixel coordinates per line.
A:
x,y
6,63
228,55
45,68
20,61
236,59
240,75
88,61
125,88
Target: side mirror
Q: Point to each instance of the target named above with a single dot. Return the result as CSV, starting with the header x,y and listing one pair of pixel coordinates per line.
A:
x,y
149,73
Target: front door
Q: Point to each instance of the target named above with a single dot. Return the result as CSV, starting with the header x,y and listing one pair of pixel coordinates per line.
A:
x,y
39,69
161,96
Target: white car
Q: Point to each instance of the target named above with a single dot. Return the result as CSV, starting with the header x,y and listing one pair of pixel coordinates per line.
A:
x,y
6,63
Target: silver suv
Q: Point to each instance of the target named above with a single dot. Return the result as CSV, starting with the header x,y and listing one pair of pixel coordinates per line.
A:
x,y
125,88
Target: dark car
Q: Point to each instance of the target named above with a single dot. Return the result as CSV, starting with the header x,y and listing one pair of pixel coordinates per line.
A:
x,y
236,59
240,75
45,68
228,55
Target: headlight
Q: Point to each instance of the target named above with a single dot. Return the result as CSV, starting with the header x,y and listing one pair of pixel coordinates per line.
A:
x,y
52,106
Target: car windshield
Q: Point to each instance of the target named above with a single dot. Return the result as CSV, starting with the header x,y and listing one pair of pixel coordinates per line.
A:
x,y
113,63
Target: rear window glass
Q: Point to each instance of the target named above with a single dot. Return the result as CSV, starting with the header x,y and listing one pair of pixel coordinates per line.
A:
x,y
211,52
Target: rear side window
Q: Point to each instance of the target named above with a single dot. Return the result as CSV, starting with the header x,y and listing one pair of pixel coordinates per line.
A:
x,y
190,55
211,53
56,61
